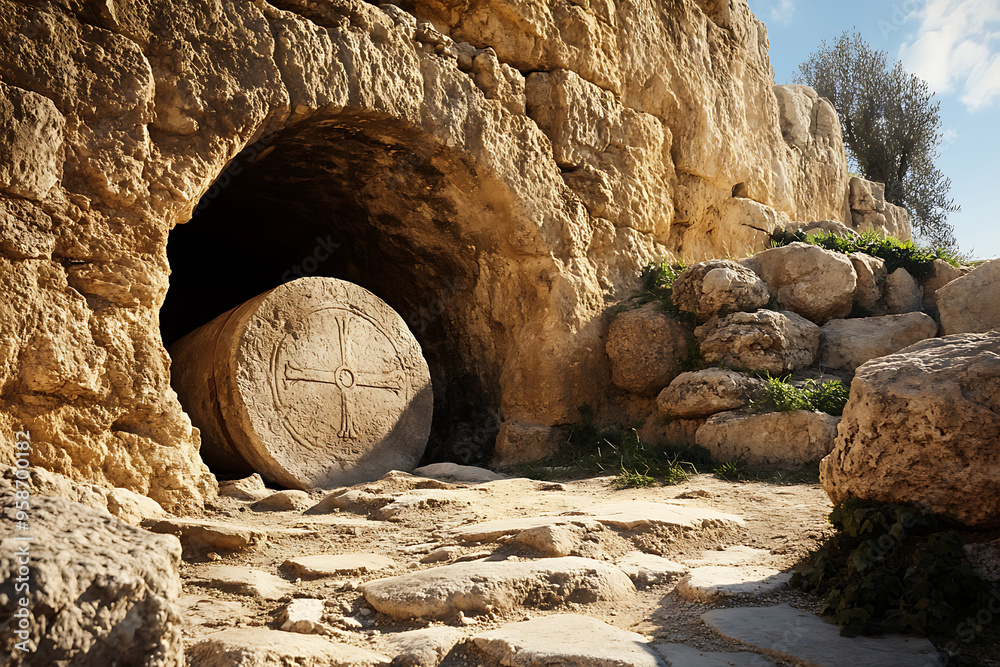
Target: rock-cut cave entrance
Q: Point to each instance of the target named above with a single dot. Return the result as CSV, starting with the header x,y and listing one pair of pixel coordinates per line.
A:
x,y
368,200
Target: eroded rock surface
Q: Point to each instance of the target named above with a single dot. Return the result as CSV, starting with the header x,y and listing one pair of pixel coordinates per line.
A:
x,y
100,591
922,427
770,341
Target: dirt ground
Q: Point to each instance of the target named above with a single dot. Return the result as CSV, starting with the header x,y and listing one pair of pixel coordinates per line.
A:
x,y
787,521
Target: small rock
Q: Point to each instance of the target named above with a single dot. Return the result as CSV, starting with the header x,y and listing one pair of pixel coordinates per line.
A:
x,y
304,615
259,647
283,501
248,488
441,554
332,565
648,569
716,582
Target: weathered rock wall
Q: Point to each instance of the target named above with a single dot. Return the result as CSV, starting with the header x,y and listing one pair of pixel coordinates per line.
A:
x,y
517,208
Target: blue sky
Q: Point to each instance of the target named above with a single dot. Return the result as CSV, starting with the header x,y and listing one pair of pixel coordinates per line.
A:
x,y
952,44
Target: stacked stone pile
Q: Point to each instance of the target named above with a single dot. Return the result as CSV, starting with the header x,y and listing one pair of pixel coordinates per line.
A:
x,y
797,310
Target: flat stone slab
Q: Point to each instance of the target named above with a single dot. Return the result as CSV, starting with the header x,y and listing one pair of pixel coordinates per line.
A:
x,y
332,565
735,555
679,655
243,581
648,569
422,648
258,647
482,586
629,515
716,582
806,639
202,536
202,610
453,472
248,488
566,639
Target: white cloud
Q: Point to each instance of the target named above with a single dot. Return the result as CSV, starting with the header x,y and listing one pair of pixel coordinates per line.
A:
x,y
957,49
782,11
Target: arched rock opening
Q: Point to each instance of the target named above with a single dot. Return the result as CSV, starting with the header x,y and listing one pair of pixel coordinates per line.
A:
x,y
373,201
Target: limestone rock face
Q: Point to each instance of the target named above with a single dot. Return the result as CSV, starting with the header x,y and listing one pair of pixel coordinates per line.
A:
x,y
718,285
942,273
646,347
101,591
923,427
707,392
815,283
849,343
761,341
969,303
870,210
454,180
773,439
810,126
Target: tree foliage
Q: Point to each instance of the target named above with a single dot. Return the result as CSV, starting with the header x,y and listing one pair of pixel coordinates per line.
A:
x,y
892,128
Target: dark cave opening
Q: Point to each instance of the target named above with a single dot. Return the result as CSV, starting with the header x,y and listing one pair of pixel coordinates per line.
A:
x,y
362,199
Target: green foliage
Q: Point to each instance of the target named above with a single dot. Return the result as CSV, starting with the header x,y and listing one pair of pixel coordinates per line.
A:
x,y
918,260
892,569
733,470
782,396
635,463
658,284
892,128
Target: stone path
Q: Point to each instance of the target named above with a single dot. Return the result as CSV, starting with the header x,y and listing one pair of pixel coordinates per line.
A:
x,y
440,571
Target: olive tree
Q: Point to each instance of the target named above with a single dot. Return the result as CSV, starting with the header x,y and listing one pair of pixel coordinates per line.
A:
x,y
892,128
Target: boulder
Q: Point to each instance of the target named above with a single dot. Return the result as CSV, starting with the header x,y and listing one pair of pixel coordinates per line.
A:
x,y
718,286
761,341
942,273
247,488
647,347
923,427
774,439
806,279
871,274
902,292
703,393
849,343
199,536
453,472
100,592
969,304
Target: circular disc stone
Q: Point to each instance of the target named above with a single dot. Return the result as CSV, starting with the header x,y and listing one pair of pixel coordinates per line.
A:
x,y
321,384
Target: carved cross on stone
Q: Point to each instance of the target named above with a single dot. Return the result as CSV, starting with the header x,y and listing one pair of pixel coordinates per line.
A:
x,y
347,378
